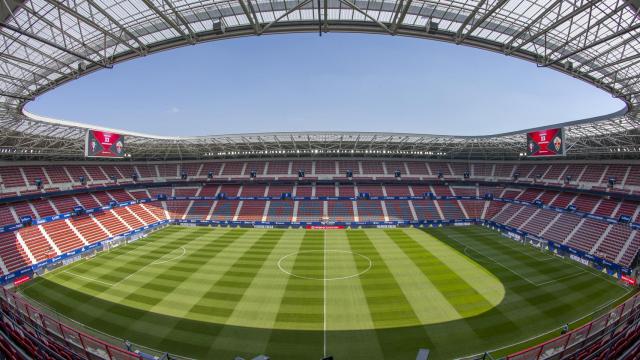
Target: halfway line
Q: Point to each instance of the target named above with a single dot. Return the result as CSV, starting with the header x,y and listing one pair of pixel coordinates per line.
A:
x,y
324,297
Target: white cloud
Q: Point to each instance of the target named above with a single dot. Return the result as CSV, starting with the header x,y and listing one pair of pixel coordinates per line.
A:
x,y
174,110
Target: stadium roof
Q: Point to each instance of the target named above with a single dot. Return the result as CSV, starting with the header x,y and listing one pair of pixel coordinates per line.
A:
x,y
46,43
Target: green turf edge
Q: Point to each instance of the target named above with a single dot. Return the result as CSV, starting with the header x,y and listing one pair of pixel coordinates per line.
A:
x,y
501,353
552,334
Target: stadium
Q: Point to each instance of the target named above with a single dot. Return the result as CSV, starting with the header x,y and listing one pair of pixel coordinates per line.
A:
x,y
116,244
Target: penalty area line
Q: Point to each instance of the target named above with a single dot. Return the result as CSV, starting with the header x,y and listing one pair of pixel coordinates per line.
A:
x,y
564,277
537,284
156,262
88,278
496,262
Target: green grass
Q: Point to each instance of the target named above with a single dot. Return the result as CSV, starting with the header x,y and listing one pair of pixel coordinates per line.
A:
x,y
296,294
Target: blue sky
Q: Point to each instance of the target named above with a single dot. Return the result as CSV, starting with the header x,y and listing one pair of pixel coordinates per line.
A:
x,y
335,82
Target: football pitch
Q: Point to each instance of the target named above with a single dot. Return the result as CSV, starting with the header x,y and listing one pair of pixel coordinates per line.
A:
x,y
217,293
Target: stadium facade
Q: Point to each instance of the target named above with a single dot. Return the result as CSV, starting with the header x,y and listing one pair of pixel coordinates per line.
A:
x,y
50,43
57,206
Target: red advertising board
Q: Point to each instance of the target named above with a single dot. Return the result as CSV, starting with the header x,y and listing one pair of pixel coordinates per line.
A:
x,y
548,142
104,144
628,279
21,280
324,227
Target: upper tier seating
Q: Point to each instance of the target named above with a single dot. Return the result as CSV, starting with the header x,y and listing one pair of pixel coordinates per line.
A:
x,y
278,189
325,190
279,168
21,179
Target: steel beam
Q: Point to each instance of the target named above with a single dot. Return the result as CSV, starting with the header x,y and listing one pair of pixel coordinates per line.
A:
x,y
589,27
29,63
623,60
285,14
59,29
356,8
468,19
89,22
52,44
560,21
251,16
19,97
126,31
165,18
484,18
182,20
400,19
595,43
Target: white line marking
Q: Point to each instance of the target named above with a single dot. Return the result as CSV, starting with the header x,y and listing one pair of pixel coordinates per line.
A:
x,y
496,262
529,255
555,329
516,273
88,278
156,262
324,287
564,277
279,264
580,266
82,325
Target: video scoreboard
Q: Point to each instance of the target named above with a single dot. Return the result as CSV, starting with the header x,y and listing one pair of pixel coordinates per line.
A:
x,y
102,144
548,142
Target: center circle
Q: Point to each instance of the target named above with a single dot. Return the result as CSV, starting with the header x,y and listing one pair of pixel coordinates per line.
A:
x,y
325,264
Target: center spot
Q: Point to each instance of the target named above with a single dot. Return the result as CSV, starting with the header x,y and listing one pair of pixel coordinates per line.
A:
x,y
325,264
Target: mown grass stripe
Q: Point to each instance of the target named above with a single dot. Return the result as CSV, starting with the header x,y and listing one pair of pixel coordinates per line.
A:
x,y
124,263
542,302
462,296
260,303
117,295
217,302
114,270
192,277
301,305
134,294
527,264
478,277
416,287
385,298
178,273
530,310
231,285
347,305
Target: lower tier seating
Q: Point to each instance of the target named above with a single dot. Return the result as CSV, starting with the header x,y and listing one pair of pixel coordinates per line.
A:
x,y
616,242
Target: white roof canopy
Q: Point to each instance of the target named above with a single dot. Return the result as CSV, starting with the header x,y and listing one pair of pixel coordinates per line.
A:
x,y
48,42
